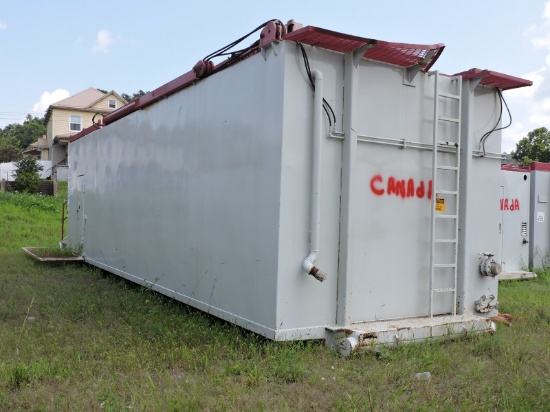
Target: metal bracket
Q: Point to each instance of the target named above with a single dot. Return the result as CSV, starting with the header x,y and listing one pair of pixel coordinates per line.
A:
x,y
266,50
360,52
410,74
474,83
412,71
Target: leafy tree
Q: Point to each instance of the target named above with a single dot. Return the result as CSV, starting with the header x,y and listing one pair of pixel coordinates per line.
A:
x,y
29,132
27,177
9,149
130,98
533,148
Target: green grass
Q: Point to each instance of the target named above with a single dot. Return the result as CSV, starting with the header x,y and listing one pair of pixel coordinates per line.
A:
x,y
75,338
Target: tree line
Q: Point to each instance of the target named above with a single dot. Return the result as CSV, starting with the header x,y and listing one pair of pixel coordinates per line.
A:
x,y
16,137
535,147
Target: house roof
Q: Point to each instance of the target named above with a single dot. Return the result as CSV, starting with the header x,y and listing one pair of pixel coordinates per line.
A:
x,y
82,101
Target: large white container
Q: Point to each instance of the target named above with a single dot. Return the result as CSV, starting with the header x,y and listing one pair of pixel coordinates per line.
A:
x,y
539,215
214,191
515,230
7,170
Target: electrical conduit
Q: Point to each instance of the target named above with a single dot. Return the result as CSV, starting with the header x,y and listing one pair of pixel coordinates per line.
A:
x,y
309,262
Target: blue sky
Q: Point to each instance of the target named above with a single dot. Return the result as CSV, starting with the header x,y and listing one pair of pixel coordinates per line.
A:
x,y
52,49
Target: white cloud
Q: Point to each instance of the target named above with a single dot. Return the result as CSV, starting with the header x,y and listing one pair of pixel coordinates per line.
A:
x,y
530,30
3,26
546,13
537,77
104,40
48,98
539,34
541,42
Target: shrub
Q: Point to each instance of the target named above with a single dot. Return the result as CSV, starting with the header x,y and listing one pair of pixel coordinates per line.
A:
x,y
27,177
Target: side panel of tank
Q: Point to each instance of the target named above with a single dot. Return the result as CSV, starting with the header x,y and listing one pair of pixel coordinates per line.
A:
x,y
305,305
514,209
391,250
183,196
76,197
539,242
480,218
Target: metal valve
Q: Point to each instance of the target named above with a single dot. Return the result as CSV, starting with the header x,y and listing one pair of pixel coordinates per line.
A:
x,y
488,266
486,303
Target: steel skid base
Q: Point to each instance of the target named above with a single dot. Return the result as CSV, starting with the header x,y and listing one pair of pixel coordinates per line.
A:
x,y
518,275
375,335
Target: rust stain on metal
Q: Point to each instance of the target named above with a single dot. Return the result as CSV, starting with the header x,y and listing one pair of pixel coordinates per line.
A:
x,y
506,318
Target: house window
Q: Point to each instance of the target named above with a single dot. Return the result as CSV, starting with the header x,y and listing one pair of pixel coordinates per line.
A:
x,y
75,123
112,104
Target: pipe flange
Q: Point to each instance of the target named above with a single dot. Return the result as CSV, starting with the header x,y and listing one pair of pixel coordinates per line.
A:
x,y
489,266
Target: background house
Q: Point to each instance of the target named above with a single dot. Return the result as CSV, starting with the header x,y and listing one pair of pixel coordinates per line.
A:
x,y
69,116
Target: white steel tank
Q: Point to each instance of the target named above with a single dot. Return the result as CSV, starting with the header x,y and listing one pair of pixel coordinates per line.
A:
x,y
514,209
539,215
313,153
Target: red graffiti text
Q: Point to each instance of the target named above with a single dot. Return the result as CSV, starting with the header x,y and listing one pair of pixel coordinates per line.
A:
x,y
509,204
403,188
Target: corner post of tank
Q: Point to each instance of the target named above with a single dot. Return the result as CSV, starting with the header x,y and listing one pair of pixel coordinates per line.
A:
x,y
467,147
532,215
349,159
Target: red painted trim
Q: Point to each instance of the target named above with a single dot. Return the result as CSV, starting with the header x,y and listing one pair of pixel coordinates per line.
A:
x,y
399,54
311,32
123,111
514,168
540,166
148,99
83,133
495,79
163,91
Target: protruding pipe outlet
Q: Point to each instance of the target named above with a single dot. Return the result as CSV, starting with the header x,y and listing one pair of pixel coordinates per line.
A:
x,y
318,274
311,269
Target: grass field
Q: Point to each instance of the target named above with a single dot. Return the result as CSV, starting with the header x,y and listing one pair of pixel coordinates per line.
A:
x,y
74,338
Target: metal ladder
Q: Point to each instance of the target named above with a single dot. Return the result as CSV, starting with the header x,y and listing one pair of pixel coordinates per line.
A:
x,y
450,145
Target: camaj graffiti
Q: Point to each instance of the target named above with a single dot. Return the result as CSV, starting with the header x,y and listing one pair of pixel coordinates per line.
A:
x,y
400,187
509,204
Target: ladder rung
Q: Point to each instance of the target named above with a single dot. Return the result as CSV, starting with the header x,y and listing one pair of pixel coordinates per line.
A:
x,y
445,240
445,167
445,216
450,96
449,119
444,265
446,192
444,290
